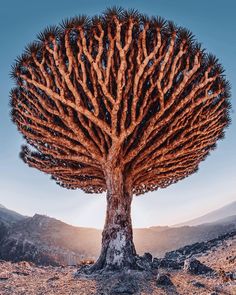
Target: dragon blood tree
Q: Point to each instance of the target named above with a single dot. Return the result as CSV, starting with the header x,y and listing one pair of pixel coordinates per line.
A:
x,y
121,103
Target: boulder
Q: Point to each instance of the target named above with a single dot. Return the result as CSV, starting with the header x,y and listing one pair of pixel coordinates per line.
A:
x,y
127,286
163,280
166,263
143,263
156,263
195,267
148,257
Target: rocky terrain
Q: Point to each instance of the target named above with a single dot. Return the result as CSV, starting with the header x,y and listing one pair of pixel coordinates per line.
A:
x,y
187,271
159,240
47,241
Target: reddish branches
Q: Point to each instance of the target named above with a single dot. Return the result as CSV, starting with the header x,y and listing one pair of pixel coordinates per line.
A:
x,y
120,89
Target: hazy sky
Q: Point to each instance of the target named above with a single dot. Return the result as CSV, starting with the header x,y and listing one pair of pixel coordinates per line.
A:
x,y
27,190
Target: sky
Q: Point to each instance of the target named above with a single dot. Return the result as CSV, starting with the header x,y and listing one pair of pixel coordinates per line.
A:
x,y
29,191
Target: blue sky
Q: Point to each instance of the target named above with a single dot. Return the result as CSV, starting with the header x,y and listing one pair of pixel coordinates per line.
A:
x,y
28,191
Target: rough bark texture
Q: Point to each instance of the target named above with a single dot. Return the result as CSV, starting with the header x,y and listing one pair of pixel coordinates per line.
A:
x,y
120,103
118,250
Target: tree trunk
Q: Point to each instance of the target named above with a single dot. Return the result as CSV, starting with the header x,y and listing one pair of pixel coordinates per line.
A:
x,y
118,249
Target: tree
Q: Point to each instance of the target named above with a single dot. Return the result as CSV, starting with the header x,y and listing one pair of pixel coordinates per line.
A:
x,y
121,103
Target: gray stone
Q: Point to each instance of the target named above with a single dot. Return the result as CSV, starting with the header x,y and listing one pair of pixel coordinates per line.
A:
x,y
195,267
125,287
147,256
198,285
156,263
166,263
55,278
233,275
4,278
143,264
20,273
163,280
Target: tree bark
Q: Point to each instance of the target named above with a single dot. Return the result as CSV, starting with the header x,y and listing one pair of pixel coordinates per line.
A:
x,y
118,249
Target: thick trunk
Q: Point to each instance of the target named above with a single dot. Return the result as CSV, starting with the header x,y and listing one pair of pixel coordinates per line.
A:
x,y
118,250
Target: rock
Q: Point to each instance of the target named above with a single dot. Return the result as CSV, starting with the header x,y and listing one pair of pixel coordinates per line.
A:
x,y
143,264
195,267
20,273
4,276
227,276
55,278
4,279
200,247
163,280
230,275
124,287
232,259
198,285
147,256
166,263
156,263
25,264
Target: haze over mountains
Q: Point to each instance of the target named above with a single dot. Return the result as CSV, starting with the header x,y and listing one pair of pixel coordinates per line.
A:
x,y
221,213
46,240
8,216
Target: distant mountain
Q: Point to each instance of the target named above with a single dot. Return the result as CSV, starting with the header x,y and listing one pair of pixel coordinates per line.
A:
x,y
48,241
223,212
9,217
158,242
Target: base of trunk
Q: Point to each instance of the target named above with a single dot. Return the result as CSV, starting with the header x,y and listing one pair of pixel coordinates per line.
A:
x,y
118,254
124,281
133,262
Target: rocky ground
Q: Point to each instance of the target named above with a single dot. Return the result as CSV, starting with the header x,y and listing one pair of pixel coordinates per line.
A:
x,y
213,273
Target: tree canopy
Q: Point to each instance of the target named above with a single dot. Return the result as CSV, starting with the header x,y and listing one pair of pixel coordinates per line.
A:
x,y
119,87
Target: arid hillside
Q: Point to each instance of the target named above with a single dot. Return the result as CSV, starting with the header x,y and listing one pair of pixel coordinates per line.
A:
x,y
48,241
209,272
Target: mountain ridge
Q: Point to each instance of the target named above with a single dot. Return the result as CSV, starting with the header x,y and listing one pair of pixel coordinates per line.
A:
x,y
49,241
217,214
8,217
